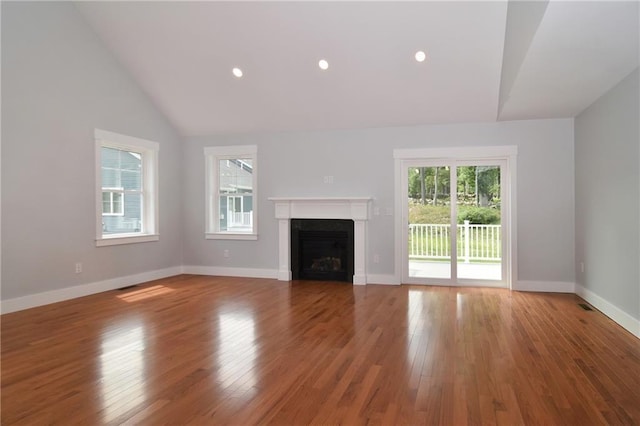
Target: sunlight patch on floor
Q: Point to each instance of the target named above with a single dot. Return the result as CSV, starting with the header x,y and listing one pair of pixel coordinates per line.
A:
x,y
145,293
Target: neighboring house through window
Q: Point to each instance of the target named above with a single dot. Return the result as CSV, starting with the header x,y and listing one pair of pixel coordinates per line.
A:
x,y
126,189
231,180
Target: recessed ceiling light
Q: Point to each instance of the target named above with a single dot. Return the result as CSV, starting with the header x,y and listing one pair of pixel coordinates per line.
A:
x,y
237,72
420,56
323,64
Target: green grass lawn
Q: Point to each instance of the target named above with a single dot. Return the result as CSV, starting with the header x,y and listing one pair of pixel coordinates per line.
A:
x,y
419,213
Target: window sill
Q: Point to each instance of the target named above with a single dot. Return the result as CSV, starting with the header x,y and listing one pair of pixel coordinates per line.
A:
x,y
126,239
229,236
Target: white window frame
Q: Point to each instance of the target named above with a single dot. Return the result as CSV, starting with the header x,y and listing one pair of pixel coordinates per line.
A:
x,y
213,155
149,151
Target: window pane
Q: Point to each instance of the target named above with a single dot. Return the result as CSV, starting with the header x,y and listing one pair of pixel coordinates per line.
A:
x,y
110,178
117,203
235,176
106,202
479,223
245,177
131,179
133,206
223,212
429,237
122,212
110,157
236,213
127,221
130,160
121,169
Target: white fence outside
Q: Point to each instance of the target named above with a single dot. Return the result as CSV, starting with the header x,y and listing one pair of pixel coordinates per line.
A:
x,y
240,219
475,242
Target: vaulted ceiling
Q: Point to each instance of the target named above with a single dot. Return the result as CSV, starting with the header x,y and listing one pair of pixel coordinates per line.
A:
x,y
486,61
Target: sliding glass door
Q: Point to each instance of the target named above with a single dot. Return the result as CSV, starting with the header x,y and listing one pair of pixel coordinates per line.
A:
x,y
454,233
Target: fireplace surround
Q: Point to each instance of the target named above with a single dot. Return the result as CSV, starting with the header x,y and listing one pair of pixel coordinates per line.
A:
x,y
353,208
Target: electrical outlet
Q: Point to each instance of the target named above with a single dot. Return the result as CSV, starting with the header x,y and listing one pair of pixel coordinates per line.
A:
x,y
376,258
226,253
328,179
78,267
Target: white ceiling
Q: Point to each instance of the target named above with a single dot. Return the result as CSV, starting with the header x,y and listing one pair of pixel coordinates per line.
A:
x,y
556,60
580,51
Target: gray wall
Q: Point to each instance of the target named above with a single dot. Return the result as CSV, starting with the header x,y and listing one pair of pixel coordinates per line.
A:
x,y
607,142
58,84
361,161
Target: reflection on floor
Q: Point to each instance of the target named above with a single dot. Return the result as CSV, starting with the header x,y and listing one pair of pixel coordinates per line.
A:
x,y
246,351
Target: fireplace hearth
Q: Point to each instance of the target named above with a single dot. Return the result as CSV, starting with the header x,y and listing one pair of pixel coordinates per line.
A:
x,y
322,249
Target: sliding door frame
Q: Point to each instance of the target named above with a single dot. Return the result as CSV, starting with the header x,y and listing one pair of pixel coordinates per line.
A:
x,y
505,155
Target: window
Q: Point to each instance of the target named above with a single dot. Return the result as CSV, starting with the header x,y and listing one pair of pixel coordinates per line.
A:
x,y
126,189
231,186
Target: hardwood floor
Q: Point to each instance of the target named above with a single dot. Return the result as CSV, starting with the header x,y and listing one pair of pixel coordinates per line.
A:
x,y
210,350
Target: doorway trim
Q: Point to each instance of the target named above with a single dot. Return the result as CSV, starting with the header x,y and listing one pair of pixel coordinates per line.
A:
x,y
506,153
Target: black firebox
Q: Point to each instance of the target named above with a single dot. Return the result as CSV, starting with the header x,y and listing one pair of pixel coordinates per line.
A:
x,y
322,249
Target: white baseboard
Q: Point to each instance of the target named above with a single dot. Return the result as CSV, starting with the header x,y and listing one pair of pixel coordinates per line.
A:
x,y
284,276
625,320
67,293
545,286
382,279
223,271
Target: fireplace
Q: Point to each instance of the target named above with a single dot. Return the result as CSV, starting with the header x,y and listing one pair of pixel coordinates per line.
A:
x,y
354,209
322,249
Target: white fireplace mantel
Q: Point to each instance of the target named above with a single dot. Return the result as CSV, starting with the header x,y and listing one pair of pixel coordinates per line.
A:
x,y
354,208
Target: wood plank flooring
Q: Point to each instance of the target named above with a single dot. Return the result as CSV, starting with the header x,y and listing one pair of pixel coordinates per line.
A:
x,y
210,350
